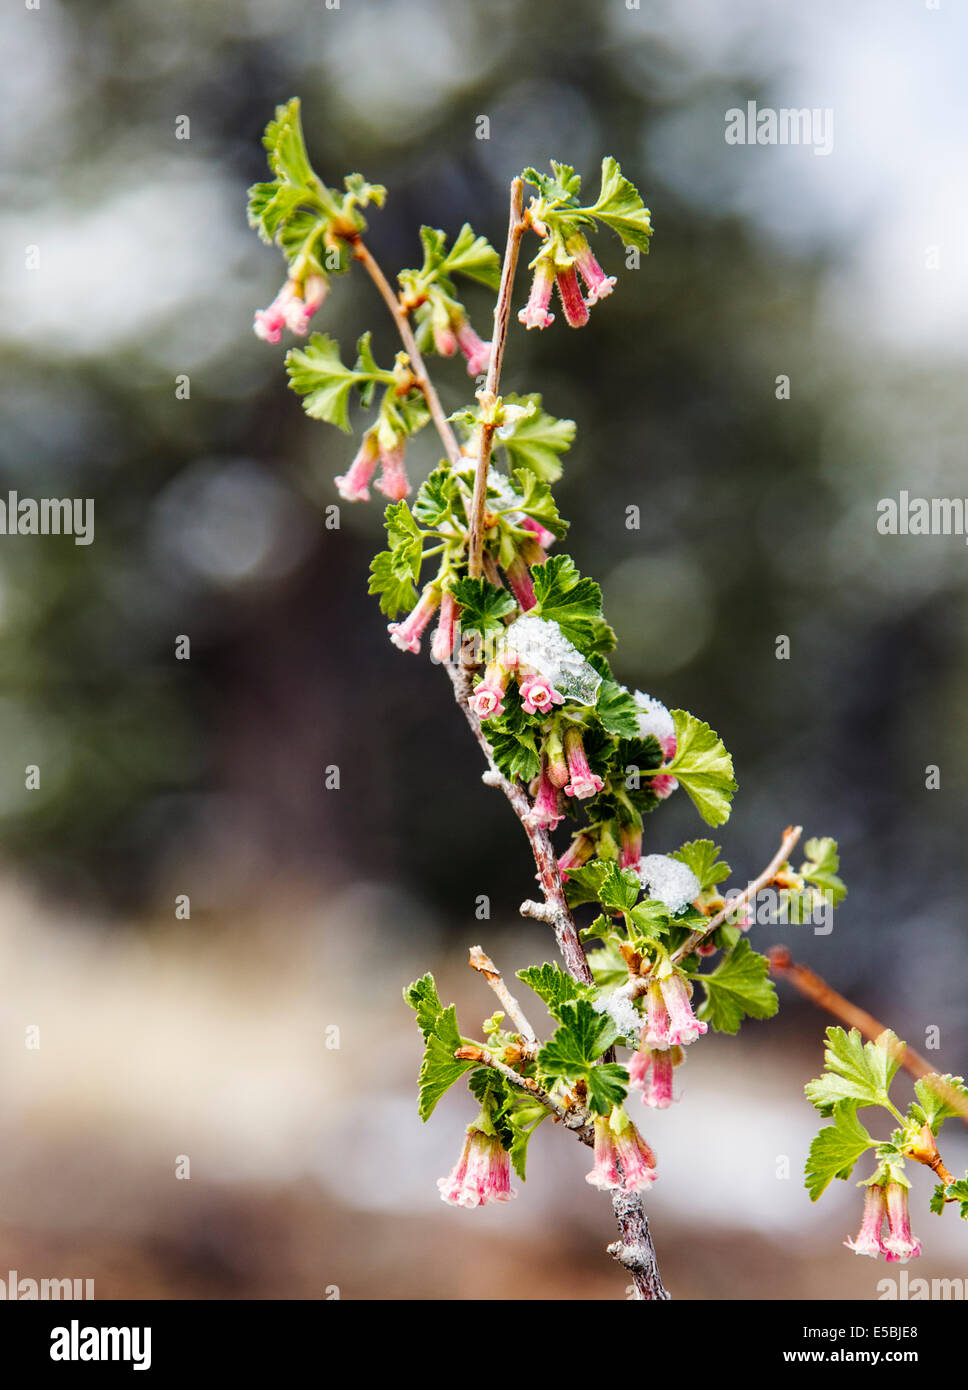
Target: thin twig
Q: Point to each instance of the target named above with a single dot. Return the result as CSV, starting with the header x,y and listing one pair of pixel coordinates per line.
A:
x,y
790,837
502,311
421,375
575,1120
815,988
485,966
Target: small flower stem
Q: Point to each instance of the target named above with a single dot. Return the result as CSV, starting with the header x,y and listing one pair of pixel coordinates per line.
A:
x,y
421,375
813,987
502,312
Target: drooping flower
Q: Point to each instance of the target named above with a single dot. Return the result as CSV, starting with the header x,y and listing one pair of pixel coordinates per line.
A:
x,y
899,1243
537,694
868,1240
631,851
300,310
406,635
477,352
445,339
393,481
353,485
546,810
445,636
578,852
656,1035
535,313
618,1142
486,701
544,537
554,752
651,1072
684,1026
519,578
269,323
598,283
482,1174
583,782
576,310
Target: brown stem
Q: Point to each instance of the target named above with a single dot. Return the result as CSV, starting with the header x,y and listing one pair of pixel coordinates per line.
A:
x,y
421,375
635,1250
482,963
813,987
502,311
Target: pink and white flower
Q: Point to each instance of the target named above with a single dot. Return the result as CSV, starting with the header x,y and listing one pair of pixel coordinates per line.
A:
x,y
353,485
477,352
899,1243
445,339
583,782
269,323
519,578
576,310
481,1175
546,810
393,481
684,1027
657,1028
542,535
487,699
578,852
300,310
442,648
623,1160
651,1073
868,1240
631,851
538,695
535,312
406,635
598,283
554,752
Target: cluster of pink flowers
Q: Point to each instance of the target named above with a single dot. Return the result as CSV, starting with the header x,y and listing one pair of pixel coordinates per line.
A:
x,y
899,1245
482,1174
670,1021
547,272
623,1160
353,485
538,695
407,635
651,1071
291,309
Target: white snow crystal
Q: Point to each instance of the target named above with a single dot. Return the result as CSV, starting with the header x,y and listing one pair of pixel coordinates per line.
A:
x,y
654,718
623,1014
541,643
669,880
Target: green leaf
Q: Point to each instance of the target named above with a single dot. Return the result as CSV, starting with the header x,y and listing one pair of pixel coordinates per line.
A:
x,y
492,1092
574,603
702,857
617,710
285,145
438,499
475,257
514,750
958,1190
536,441
621,207
396,590
440,1068
935,1092
405,539
703,767
525,1119
835,1150
562,185
537,501
271,205
317,373
740,986
601,880
854,1070
483,605
552,986
649,920
821,867
423,998
583,1035
608,966
607,1085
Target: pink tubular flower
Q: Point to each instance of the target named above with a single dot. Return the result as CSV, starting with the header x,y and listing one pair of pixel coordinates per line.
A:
x,y
482,1174
599,284
445,637
554,752
584,783
535,312
538,696
445,339
605,1173
899,1243
868,1240
656,1036
576,310
578,852
269,323
663,786
546,810
623,1145
545,538
631,853
684,1027
519,578
651,1073
636,1158
299,311
486,702
477,352
393,481
406,635
353,484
